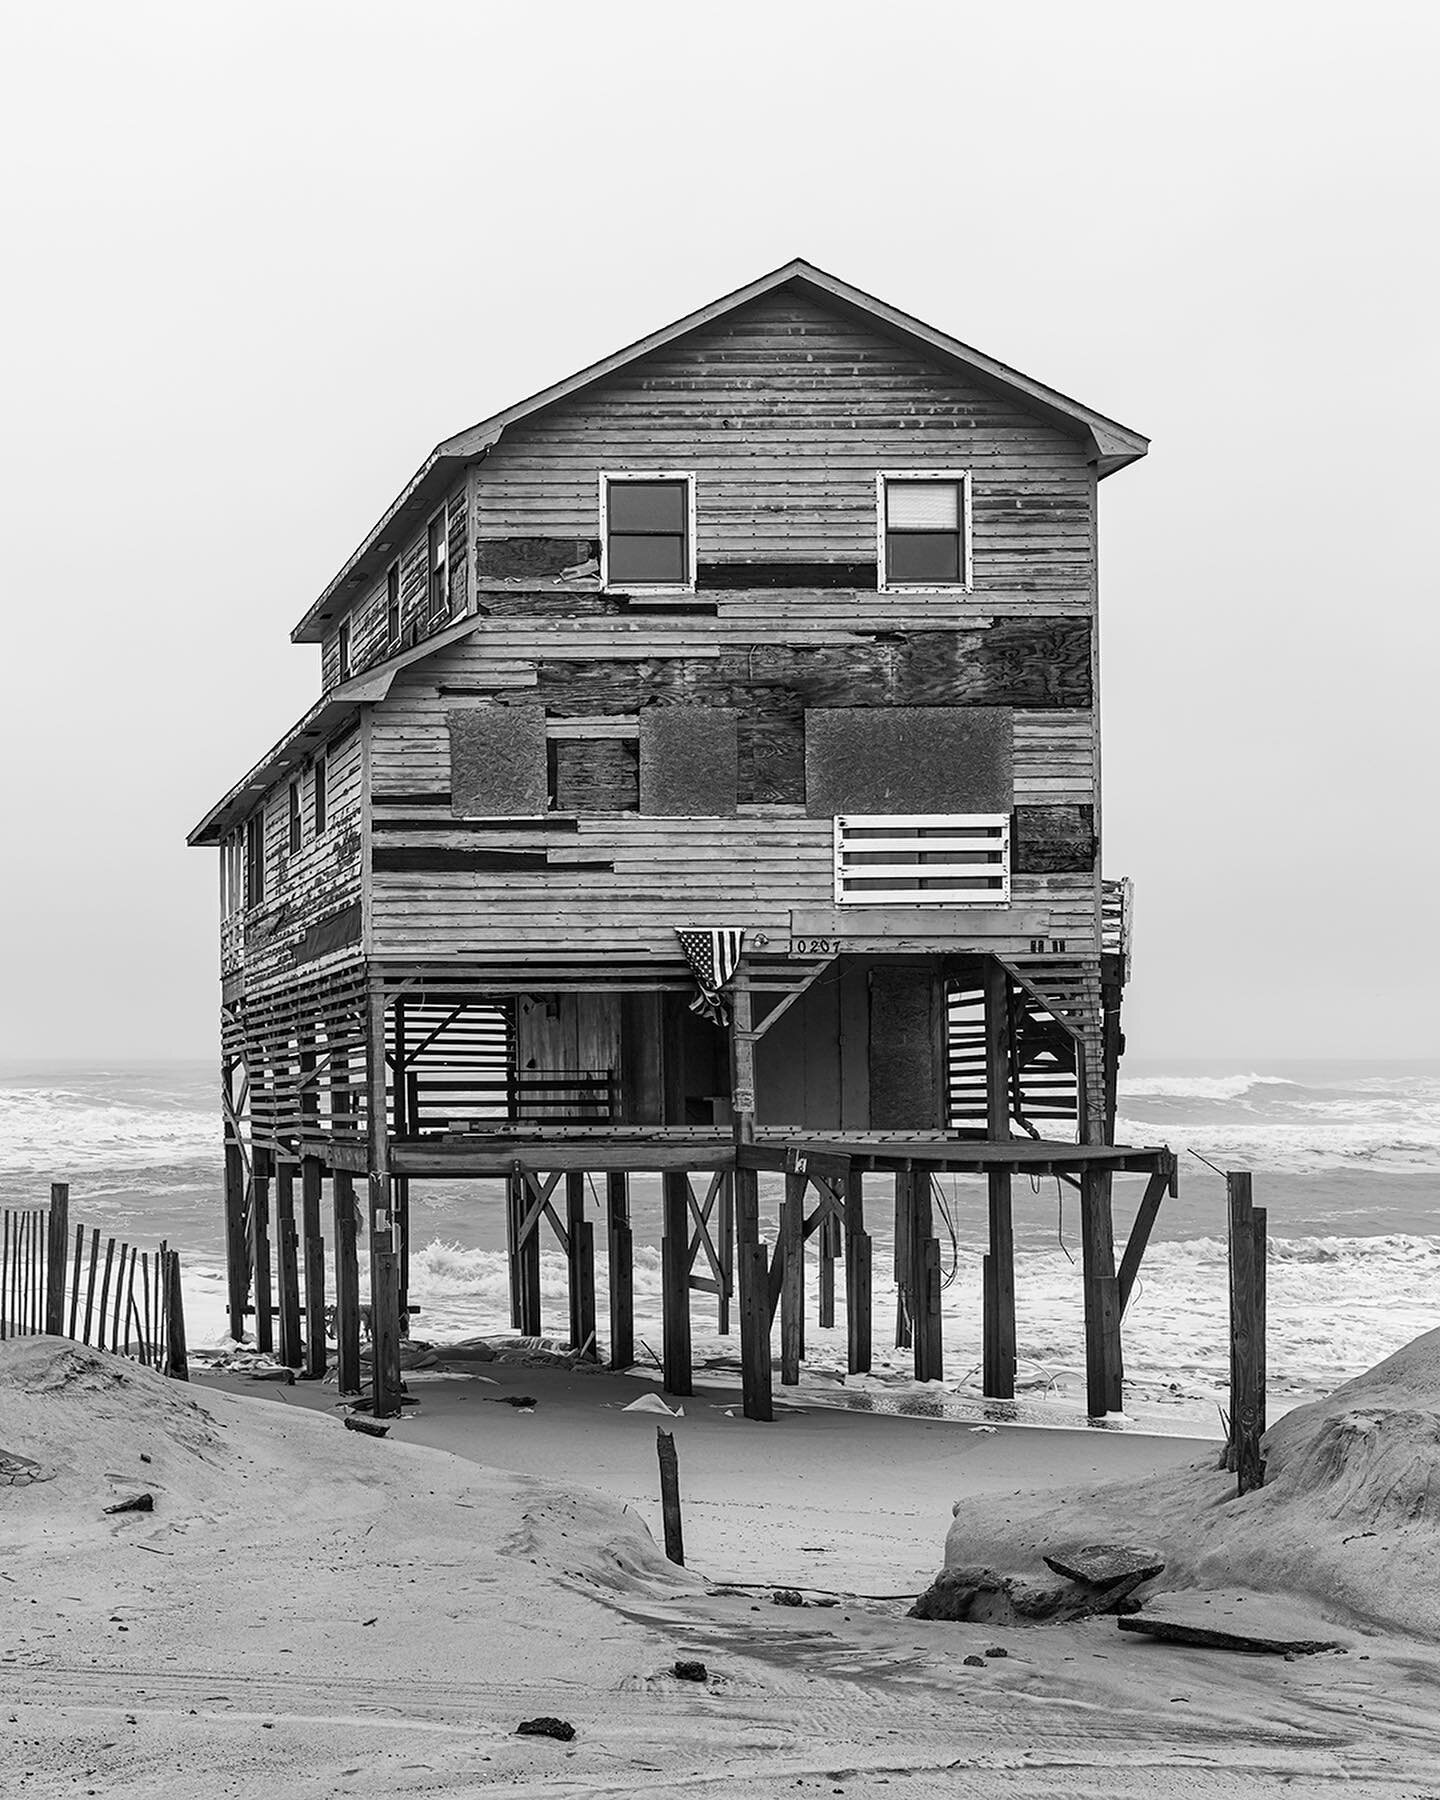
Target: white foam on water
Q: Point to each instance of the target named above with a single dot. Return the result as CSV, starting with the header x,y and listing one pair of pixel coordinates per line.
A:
x,y
1197,1087
45,1130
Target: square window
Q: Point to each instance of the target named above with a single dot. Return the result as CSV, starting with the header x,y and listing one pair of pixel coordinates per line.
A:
x,y
648,531
924,530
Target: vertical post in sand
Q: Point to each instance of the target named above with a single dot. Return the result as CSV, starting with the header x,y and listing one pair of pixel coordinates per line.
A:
x,y
288,1259
580,1255
347,1283
1247,1331
237,1249
176,1364
260,1250
675,1279
622,1270
998,1362
1104,1381
386,1386
752,1264
670,1494
926,1320
904,1259
90,1282
56,1250
75,1283
312,1175
792,1279
857,1276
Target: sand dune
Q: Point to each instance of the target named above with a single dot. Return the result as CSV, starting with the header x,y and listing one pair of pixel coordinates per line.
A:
x,y
306,1612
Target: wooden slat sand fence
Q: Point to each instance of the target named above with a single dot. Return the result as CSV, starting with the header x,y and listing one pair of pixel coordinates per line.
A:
x,y
118,1298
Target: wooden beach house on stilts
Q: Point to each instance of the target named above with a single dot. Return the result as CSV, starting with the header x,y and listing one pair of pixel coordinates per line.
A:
x,y
704,782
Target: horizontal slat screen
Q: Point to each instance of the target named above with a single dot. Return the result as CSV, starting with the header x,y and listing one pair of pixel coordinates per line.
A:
x,y
922,860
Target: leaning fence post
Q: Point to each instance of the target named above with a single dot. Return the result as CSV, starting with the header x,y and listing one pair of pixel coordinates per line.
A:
x,y
57,1245
176,1364
670,1494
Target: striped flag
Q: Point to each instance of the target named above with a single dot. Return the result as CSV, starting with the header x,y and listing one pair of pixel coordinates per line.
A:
x,y
714,956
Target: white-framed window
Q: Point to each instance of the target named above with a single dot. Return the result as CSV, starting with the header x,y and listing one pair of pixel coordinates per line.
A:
x,y
922,859
923,528
647,531
437,564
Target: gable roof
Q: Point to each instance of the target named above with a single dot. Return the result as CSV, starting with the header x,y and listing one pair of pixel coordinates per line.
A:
x,y
1112,445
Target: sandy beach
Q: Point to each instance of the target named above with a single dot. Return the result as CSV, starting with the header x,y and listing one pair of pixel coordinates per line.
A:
x,y
307,1611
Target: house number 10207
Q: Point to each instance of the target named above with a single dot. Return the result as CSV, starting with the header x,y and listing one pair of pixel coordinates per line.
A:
x,y
812,946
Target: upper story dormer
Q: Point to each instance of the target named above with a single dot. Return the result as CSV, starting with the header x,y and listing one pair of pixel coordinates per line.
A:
x,y
797,437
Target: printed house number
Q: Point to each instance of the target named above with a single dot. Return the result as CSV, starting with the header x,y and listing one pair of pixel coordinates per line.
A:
x,y
812,946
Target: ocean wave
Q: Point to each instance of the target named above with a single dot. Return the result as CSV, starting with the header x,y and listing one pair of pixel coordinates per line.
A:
x,y
1197,1087
56,1130
1310,1146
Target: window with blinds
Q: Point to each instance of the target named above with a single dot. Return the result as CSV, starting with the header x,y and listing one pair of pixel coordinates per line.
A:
x,y
647,531
924,529
922,859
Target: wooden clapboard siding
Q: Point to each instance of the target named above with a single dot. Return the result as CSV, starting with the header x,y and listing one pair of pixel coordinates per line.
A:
x,y
369,642
1055,757
303,891
784,411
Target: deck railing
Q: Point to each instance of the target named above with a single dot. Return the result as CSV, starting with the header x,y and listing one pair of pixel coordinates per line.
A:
x,y
1117,912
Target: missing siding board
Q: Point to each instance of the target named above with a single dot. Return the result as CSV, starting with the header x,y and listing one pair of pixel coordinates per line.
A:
x,y
497,760
334,933
508,557
1054,840
908,759
731,575
594,774
416,859
689,761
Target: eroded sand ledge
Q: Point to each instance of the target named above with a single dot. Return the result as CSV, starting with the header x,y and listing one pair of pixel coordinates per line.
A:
x,y
306,1612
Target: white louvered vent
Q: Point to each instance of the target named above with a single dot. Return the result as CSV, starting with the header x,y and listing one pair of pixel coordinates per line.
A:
x,y
922,859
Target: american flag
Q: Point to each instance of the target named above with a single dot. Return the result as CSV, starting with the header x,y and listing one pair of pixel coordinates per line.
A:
x,y
714,956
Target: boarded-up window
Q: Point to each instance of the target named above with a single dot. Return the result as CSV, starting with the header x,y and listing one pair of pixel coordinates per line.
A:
x,y
594,774
1054,840
497,760
908,759
689,761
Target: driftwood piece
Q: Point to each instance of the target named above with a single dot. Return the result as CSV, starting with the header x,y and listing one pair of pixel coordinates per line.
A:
x,y
367,1427
140,1503
1259,1623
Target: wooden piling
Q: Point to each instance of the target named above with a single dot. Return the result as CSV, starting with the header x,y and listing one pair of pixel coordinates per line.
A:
x,y
998,1338
829,1247
1247,1331
670,1494
575,1279
287,1251
312,1176
385,1333
1104,1374
621,1268
791,1252
913,1199
756,1373
675,1282
858,1277
904,1264
260,1253
347,1283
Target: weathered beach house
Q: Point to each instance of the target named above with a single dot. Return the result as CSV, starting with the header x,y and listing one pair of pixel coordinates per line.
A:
x,y
704,781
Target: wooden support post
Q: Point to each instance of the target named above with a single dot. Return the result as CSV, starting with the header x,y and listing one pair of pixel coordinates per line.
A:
x,y
57,1249
904,1263
574,1219
177,1364
1247,1331
858,1277
1104,1376
312,1175
791,1252
514,1202
622,1270
930,1327
675,1282
999,1348
725,1250
525,1308
587,1346
237,1248
287,1248
670,1494
913,1201
386,1385
260,1251
756,1373
347,1283
829,1247
753,1264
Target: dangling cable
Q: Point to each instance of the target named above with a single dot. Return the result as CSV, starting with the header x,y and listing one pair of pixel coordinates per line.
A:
x,y
1060,1220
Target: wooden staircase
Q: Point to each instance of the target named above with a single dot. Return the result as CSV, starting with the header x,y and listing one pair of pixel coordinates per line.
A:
x,y
1055,1023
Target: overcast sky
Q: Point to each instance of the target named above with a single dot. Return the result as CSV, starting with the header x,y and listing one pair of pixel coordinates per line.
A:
x,y
261,257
